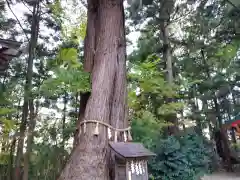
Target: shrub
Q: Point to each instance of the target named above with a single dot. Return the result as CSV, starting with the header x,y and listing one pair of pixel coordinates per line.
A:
x,y
182,158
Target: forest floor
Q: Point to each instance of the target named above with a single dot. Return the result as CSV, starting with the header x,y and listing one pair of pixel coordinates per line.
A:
x,y
222,176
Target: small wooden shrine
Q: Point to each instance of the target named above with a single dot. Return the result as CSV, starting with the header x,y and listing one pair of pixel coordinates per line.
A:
x,y
8,50
130,160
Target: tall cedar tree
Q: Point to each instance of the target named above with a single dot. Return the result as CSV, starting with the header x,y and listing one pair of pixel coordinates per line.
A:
x,y
105,58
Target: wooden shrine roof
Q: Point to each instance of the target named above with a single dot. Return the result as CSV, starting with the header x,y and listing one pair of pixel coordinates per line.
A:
x,y
8,50
130,149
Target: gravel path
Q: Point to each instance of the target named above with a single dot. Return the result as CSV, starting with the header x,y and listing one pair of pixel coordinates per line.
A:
x,y
222,176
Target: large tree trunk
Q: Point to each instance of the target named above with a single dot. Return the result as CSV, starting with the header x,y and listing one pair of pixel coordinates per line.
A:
x,y
90,159
119,113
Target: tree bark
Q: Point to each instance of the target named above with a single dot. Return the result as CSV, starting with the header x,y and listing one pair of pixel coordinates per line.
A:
x,y
83,103
90,39
90,158
119,114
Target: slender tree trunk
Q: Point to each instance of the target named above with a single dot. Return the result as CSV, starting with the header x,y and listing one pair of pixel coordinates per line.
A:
x,y
64,118
210,120
27,92
210,130
30,138
11,155
197,116
167,56
227,153
90,159
65,101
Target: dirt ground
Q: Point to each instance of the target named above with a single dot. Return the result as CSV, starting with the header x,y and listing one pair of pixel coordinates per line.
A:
x,y
222,176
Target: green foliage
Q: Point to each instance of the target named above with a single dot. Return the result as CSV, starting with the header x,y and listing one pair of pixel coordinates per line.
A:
x,y
170,108
146,99
150,81
170,162
57,9
198,153
64,80
185,158
67,56
146,128
46,161
4,111
4,158
78,33
7,123
68,75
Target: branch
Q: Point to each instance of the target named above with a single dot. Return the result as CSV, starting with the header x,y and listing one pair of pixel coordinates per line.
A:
x,y
26,6
232,4
178,18
83,3
9,6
